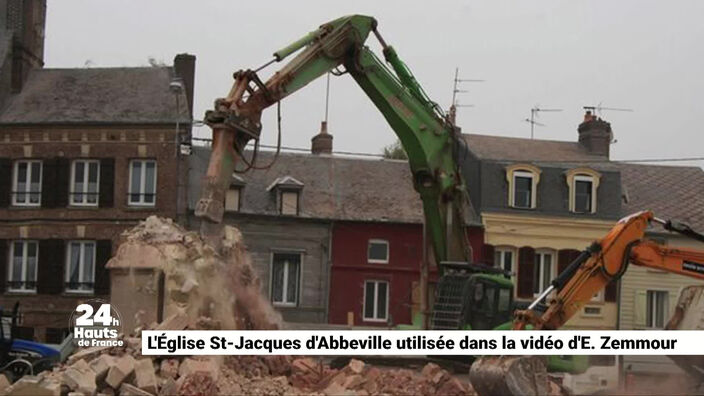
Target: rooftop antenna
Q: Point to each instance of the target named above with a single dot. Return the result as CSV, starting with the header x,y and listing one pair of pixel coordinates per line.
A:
x,y
456,90
599,108
533,114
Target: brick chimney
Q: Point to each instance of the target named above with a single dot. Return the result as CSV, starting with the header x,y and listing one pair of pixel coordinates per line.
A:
x,y
322,142
595,134
185,68
25,20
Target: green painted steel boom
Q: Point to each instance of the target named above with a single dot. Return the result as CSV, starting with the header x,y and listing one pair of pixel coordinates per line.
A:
x,y
429,138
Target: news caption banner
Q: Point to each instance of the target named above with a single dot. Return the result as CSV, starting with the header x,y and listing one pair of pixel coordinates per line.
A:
x,y
421,342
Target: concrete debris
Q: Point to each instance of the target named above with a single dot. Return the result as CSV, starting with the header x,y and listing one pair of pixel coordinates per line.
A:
x,y
145,377
198,296
120,371
31,385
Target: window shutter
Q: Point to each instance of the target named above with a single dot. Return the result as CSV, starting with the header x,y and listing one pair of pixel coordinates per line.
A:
x,y
4,251
611,291
49,183
102,274
63,179
5,182
565,257
107,183
488,254
641,305
526,266
50,273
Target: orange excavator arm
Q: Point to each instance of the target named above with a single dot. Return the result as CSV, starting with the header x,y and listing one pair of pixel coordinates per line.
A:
x,y
606,261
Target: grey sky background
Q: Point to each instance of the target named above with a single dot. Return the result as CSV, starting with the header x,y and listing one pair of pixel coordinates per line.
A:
x,y
639,54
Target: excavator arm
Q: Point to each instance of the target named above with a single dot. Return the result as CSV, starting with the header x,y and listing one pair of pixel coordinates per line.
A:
x,y
429,138
606,261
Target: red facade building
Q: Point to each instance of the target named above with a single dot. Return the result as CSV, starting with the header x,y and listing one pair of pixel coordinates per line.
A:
x,y
375,271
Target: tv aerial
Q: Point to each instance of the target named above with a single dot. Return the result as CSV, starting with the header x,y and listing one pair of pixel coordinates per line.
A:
x,y
456,90
534,112
599,108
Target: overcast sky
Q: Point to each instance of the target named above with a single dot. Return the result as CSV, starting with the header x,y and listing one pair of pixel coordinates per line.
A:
x,y
644,55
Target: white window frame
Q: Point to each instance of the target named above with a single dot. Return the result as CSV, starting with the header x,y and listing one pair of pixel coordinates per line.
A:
x,y
541,263
284,291
142,193
666,308
501,251
81,264
378,261
523,174
72,192
376,299
28,188
11,262
592,181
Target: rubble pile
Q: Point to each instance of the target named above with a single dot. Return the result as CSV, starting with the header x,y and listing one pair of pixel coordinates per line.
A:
x,y
219,290
205,290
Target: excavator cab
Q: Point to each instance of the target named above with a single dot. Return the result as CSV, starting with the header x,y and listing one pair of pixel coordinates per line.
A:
x,y
471,296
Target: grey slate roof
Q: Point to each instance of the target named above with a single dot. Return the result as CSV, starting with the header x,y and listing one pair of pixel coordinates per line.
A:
x,y
675,192
339,188
672,192
96,95
527,150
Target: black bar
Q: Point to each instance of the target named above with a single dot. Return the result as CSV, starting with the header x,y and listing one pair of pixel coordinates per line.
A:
x,y
567,274
684,229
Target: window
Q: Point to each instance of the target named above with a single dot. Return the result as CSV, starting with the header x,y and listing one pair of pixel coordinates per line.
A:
x,y
522,185
582,184
523,190
503,259
583,194
378,251
23,271
543,271
142,183
27,185
232,199
289,203
376,301
84,182
285,275
80,266
656,313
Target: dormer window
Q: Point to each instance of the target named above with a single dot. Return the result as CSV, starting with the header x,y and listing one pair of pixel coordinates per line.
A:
x,y
522,186
233,195
288,204
288,195
583,184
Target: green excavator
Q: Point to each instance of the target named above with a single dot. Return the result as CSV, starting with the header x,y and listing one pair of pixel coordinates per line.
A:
x,y
467,296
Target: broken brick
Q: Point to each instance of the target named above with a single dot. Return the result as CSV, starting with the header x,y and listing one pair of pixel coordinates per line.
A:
x,y
169,368
80,381
178,321
356,366
123,367
87,353
145,378
4,382
31,385
101,365
206,367
131,390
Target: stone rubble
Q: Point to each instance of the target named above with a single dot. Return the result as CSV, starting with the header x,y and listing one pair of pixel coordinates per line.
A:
x,y
233,301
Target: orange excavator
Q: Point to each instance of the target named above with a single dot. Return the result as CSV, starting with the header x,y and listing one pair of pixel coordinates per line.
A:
x,y
605,261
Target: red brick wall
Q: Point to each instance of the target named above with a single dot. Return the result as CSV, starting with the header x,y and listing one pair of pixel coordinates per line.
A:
x,y
96,223
350,268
